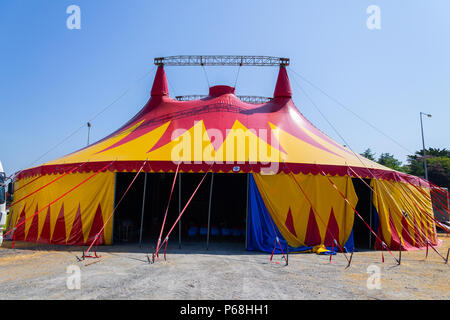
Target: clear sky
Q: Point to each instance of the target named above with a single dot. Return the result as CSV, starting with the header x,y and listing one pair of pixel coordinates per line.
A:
x,y
52,79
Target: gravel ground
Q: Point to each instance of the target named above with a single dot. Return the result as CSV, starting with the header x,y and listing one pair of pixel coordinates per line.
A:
x,y
226,271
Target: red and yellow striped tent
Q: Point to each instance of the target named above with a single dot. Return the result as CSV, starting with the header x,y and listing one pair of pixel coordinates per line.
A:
x,y
303,177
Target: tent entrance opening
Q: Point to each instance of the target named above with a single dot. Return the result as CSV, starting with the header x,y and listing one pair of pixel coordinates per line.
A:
x,y
362,236
228,198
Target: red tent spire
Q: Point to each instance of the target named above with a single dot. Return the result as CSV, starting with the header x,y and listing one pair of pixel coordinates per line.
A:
x,y
283,86
160,87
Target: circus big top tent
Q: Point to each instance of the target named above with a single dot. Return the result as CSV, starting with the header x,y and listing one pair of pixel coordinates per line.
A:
x,y
275,175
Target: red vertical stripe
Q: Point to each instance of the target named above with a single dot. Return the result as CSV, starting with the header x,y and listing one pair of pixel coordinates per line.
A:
x,y
33,231
289,223
408,241
76,233
332,230
97,225
45,233
59,232
19,233
312,237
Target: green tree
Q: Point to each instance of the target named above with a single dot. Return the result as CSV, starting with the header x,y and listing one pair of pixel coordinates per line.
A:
x,y
368,154
388,160
435,152
438,165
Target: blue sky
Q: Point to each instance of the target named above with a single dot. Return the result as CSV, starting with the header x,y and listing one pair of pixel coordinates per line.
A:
x,y
52,79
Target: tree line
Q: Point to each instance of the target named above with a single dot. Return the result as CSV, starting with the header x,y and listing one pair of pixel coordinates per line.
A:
x,y
438,164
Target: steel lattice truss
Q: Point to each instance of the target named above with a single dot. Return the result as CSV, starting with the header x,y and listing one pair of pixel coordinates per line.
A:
x,y
254,99
221,61
248,99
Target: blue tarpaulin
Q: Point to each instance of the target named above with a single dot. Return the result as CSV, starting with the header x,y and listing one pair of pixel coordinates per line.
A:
x,y
261,233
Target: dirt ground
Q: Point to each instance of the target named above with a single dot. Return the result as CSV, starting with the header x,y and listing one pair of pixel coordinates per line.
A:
x,y
225,271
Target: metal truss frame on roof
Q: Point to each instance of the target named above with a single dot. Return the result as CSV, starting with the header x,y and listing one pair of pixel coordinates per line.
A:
x,y
221,61
248,99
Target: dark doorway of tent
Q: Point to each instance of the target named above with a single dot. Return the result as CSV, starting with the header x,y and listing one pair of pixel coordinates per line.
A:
x,y
362,236
228,197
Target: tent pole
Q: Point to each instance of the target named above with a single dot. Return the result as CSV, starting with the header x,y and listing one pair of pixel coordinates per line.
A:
x,y
246,211
143,209
179,210
370,217
209,210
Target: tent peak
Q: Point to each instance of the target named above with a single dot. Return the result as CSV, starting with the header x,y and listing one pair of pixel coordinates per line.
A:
x,y
283,86
160,87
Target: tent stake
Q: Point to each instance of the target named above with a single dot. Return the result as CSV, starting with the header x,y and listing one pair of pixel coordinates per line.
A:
x,y
287,254
440,255
446,259
350,260
332,250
